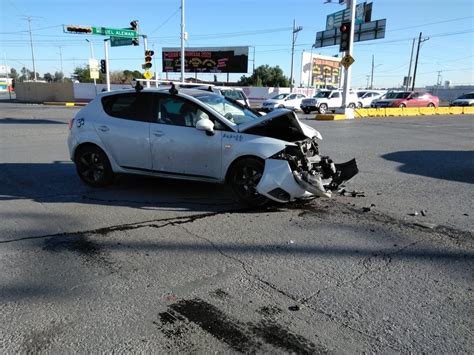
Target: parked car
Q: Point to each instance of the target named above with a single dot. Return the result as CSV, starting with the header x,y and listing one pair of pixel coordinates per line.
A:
x,y
463,100
388,95
291,101
198,135
409,99
232,93
326,100
365,98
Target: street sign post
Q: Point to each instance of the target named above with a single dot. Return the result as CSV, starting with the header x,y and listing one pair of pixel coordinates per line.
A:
x,y
114,32
363,14
347,61
117,41
362,32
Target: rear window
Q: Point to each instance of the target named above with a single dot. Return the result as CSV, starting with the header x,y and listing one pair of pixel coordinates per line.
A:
x,y
130,106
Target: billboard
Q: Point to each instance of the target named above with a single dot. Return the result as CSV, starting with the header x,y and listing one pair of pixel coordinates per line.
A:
x,y
320,71
207,60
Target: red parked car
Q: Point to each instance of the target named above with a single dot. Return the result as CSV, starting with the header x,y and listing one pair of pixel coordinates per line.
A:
x,y
409,99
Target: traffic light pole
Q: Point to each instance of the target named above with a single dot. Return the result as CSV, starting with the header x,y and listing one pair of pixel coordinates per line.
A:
x,y
107,70
145,45
347,77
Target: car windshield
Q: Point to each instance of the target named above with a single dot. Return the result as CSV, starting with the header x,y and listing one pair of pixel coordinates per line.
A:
x,y
322,94
467,96
279,97
233,112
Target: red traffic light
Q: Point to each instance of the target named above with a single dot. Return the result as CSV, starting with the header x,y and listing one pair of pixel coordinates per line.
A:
x,y
149,53
344,28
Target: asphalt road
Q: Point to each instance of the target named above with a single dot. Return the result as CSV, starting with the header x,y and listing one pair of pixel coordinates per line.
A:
x,y
156,265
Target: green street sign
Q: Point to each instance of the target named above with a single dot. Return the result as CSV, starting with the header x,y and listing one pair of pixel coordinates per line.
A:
x,y
117,41
114,32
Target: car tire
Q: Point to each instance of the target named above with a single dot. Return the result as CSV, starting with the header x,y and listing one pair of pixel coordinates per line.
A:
x,y
323,108
281,106
431,104
244,177
359,105
93,166
305,110
402,105
351,105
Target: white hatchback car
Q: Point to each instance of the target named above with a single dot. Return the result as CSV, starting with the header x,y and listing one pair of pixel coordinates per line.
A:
x,y
287,100
199,135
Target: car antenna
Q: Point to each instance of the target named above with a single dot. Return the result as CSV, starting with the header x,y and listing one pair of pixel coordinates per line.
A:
x,y
173,90
209,88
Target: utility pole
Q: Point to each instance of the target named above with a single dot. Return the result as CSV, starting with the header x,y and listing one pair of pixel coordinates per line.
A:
x,y
32,51
420,40
182,41
372,75
367,85
295,34
92,57
351,6
61,61
107,68
407,84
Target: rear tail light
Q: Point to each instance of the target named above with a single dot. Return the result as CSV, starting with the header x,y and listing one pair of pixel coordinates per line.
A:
x,y
71,122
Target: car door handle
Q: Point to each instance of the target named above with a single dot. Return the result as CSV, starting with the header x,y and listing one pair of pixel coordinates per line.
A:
x,y
104,128
159,133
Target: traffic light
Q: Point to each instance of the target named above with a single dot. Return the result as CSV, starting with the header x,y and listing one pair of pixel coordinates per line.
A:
x,y
103,66
134,27
148,59
78,29
345,36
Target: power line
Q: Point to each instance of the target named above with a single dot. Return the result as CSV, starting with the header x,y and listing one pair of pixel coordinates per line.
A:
x,y
165,22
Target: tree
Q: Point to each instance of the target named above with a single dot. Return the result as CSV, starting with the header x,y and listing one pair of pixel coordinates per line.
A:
x,y
58,76
48,77
14,74
82,75
265,75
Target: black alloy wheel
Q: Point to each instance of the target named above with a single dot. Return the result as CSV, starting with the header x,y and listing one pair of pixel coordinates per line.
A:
x,y
93,166
244,178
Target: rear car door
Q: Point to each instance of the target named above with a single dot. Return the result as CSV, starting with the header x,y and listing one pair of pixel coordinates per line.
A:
x,y
177,147
125,128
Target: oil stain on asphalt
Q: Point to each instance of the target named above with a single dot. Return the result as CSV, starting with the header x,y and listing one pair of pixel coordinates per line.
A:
x,y
241,337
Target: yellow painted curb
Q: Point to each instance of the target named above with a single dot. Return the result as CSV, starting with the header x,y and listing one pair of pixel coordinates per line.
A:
x,y
456,110
410,111
69,103
468,110
427,110
332,117
394,111
442,110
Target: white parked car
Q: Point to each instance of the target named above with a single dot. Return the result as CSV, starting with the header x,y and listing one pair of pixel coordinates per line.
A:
x,y
287,100
463,100
199,135
365,98
326,100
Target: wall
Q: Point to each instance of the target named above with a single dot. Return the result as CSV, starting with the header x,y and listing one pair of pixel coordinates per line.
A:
x,y
449,94
43,92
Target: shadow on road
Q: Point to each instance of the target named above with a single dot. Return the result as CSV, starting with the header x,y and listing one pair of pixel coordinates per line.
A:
x,y
58,182
438,164
28,121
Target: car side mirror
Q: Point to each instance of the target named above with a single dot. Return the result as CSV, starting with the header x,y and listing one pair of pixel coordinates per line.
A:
x,y
205,124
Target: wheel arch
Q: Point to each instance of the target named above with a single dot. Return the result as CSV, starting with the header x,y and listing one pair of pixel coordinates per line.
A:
x,y
236,160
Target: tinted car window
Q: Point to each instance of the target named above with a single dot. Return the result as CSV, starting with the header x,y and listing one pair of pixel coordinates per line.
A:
x,y
130,106
335,94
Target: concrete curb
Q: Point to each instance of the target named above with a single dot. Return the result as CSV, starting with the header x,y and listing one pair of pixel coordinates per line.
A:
x,y
67,104
399,112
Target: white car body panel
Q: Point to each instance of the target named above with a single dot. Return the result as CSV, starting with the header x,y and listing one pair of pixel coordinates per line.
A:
x,y
277,174
184,152
292,102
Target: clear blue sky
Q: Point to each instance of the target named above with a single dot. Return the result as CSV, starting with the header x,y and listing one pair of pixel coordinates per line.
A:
x,y
264,24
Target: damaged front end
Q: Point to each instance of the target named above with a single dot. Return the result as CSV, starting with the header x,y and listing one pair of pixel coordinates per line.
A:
x,y
313,173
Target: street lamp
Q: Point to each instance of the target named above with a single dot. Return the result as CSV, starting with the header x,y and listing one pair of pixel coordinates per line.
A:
x,y
295,33
92,56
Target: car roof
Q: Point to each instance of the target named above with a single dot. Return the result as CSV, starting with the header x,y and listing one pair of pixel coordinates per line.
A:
x,y
163,90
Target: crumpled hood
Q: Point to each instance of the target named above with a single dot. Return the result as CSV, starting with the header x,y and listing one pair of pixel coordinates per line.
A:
x,y
281,124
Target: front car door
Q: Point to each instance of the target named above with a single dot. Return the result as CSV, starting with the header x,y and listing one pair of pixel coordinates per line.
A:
x,y
125,128
335,100
177,147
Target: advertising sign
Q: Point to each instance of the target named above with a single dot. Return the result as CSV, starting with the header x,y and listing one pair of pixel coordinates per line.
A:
x,y
207,60
320,71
